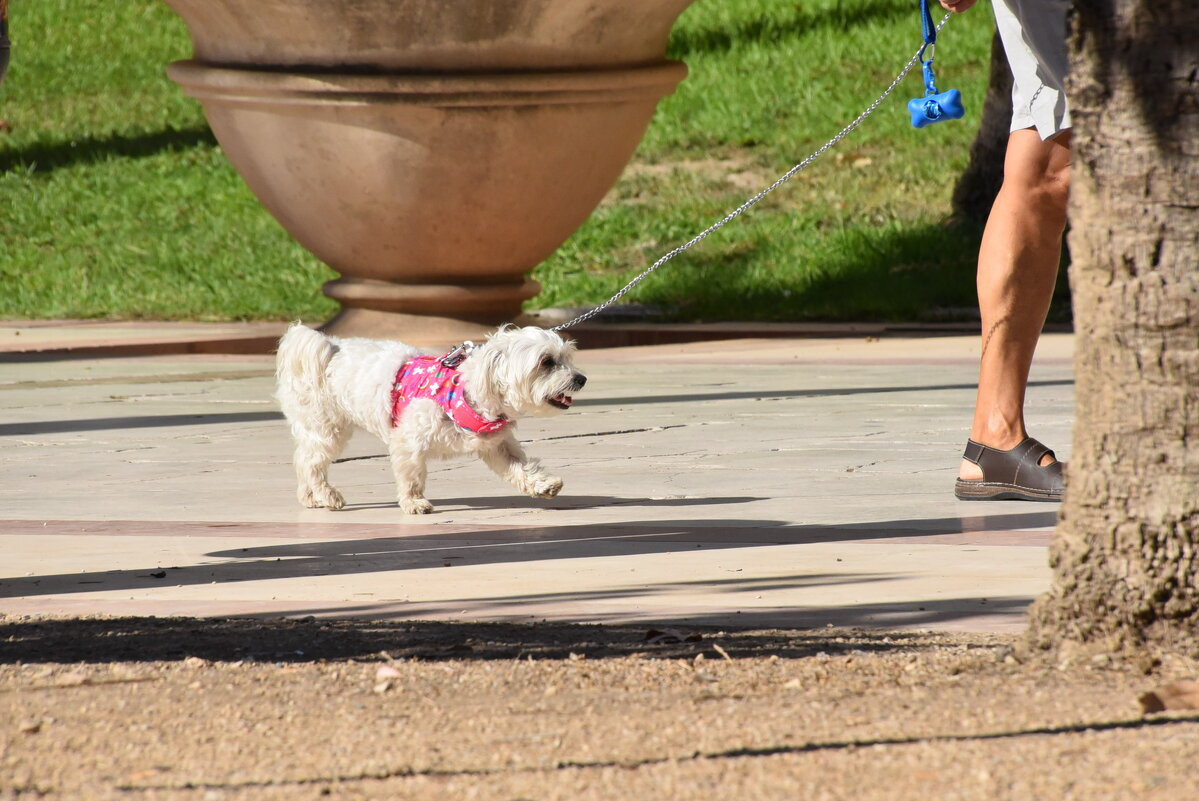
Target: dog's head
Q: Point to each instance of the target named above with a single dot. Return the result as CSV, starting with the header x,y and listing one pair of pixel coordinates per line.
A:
x,y
522,372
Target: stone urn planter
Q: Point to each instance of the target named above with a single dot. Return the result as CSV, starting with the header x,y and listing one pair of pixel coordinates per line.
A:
x,y
432,152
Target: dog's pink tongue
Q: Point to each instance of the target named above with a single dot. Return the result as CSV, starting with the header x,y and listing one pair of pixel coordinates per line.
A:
x,y
566,400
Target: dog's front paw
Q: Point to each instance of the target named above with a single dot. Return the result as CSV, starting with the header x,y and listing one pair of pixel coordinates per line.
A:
x,y
547,488
416,506
327,499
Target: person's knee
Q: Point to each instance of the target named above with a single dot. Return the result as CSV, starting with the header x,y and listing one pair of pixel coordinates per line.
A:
x,y
1037,182
1035,166
1051,192
1054,179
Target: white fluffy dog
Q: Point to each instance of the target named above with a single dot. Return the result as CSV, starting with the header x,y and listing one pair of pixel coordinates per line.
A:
x,y
421,406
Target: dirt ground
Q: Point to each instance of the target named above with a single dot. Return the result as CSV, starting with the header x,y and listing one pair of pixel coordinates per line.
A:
x,y
155,708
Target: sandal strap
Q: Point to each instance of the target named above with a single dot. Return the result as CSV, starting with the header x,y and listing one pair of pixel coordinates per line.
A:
x,y
1019,467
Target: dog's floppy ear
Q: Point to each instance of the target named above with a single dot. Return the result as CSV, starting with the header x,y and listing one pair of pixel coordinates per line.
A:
x,y
486,384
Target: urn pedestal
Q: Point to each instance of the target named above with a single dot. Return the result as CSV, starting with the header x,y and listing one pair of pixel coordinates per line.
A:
x,y
431,152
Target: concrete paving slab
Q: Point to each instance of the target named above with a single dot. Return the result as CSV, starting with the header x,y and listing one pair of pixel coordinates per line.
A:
x,y
87,338
765,482
81,338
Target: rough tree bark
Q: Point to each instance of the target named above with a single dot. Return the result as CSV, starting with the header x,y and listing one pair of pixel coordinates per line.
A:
x,y
1125,556
979,183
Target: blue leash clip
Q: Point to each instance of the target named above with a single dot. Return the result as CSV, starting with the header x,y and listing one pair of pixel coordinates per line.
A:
x,y
934,106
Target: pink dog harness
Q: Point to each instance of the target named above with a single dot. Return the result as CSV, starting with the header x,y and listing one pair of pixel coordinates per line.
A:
x,y
427,377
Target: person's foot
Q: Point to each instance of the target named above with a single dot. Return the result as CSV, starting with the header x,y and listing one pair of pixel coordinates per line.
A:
x,y
1027,471
969,471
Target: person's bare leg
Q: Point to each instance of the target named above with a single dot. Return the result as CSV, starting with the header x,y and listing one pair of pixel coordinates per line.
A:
x,y
1017,270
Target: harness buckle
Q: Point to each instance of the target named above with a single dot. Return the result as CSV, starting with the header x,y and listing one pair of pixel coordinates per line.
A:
x,y
458,354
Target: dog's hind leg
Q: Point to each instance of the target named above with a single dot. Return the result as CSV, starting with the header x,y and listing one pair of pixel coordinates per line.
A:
x,y
511,463
316,448
302,366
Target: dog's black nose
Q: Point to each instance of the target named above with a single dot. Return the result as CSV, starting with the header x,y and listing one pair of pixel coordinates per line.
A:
x,y
579,381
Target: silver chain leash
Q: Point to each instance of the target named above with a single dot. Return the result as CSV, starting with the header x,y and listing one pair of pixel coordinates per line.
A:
x,y
915,59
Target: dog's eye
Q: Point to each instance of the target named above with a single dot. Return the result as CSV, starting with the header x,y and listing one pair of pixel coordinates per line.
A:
x,y
548,363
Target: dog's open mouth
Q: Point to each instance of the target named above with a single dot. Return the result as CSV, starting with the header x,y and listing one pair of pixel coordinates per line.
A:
x,y
561,401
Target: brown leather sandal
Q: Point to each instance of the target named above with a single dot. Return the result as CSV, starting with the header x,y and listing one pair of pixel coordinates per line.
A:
x,y
1014,475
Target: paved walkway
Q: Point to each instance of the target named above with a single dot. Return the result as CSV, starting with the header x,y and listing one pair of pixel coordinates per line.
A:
x,y
791,482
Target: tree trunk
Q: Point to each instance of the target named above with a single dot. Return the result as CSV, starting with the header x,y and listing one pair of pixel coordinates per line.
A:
x,y
1125,556
979,182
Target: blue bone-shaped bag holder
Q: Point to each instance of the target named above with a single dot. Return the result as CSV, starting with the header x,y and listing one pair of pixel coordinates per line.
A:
x,y
934,106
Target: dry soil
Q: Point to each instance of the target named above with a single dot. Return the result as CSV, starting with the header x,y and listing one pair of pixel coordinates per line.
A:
x,y
152,708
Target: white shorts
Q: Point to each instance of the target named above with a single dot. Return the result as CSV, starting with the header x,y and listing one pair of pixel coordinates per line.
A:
x,y
1034,39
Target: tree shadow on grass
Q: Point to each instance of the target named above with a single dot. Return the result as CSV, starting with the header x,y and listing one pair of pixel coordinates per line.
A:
x,y
910,274
52,155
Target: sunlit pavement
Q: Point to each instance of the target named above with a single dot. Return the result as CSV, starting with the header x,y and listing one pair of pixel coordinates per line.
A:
x,y
789,482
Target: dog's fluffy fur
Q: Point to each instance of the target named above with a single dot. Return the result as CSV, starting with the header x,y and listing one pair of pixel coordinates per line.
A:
x,y
327,386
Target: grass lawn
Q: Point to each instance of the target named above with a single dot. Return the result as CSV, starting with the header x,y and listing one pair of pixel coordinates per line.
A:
x,y
117,202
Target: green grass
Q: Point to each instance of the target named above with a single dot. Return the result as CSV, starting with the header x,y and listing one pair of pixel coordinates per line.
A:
x,y
117,201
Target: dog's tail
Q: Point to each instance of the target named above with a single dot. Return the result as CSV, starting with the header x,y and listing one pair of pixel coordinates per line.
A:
x,y
301,366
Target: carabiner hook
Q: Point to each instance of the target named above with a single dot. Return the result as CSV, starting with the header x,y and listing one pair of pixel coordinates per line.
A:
x,y
458,354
